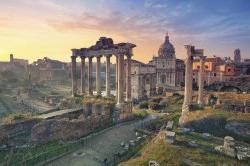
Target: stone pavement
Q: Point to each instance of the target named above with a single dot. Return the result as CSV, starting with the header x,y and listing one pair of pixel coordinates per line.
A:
x,y
101,146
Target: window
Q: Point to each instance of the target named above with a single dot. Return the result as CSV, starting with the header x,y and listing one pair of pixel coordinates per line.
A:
x,y
214,74
163,79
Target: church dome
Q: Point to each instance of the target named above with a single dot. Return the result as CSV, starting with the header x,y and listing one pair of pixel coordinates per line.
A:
x,y
166,49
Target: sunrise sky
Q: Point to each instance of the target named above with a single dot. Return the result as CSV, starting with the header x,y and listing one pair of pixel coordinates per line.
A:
x,y
33,29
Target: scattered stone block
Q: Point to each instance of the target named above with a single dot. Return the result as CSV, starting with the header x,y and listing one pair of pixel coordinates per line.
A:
x,y
192,144
190,162
184,130
170,137
243,153
132,142
126,147
206,135
138,138
228,148
153,163
170,125
122,144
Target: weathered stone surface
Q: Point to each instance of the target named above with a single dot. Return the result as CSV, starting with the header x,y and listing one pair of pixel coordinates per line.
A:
x,y
184,130
243,152
170,125
153,163
192,144
228,148
170,137
64,129
206,135
10,130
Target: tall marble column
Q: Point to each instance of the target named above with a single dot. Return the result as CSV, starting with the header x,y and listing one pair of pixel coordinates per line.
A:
x,y
128,79
201,81
90,79
188,79
116,77
120,98
73,75
108,75
98,76
82,74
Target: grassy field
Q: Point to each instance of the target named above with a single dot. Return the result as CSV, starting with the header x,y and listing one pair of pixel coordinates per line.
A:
x,y
33,155
182,153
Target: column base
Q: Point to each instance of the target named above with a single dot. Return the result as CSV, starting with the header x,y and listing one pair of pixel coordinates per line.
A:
x,y
119,105
186,108
128,100
183,118
201,104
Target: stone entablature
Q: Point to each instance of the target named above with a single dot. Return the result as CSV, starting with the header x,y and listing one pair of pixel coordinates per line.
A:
x,y
104,47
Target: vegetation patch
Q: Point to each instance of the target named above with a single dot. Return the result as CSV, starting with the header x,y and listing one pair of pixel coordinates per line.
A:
x,y
98,100
140,114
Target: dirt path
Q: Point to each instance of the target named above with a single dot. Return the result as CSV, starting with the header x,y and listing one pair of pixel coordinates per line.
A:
x,y
100,146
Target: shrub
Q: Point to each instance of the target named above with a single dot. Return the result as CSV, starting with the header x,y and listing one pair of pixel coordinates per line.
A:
x,y
143,105
156,100
154,106
19,117
196,107
140,114
163,104
176,94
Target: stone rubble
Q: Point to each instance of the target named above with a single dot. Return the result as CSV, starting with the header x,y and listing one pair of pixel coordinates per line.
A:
x,y
170,125
170,137
230,149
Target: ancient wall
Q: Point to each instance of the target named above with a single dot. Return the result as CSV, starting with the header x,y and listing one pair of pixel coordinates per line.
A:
x,y
92,117
10,130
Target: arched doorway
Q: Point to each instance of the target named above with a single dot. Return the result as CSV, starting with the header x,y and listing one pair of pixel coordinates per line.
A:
x,y
230,89
163,79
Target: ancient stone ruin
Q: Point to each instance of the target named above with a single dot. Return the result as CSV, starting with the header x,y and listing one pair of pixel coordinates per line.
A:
x,y
188,91
104,47
232,150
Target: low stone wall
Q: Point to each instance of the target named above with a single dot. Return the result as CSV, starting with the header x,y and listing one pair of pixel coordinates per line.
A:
x,y
70,125
65,129
10,130
92,117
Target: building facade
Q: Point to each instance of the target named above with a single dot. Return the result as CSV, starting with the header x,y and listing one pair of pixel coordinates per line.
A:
x,y
143,80
169,69
164,72
216,69
237,56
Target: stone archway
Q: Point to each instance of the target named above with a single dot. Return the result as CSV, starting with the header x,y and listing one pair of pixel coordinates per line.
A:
x,y
230,89
163,79
248,71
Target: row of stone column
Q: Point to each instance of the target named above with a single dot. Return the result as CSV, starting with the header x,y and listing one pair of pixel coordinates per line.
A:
x,y
188,91
119,76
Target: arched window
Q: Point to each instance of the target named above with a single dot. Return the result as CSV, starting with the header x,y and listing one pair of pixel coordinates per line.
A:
x,y
163,79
